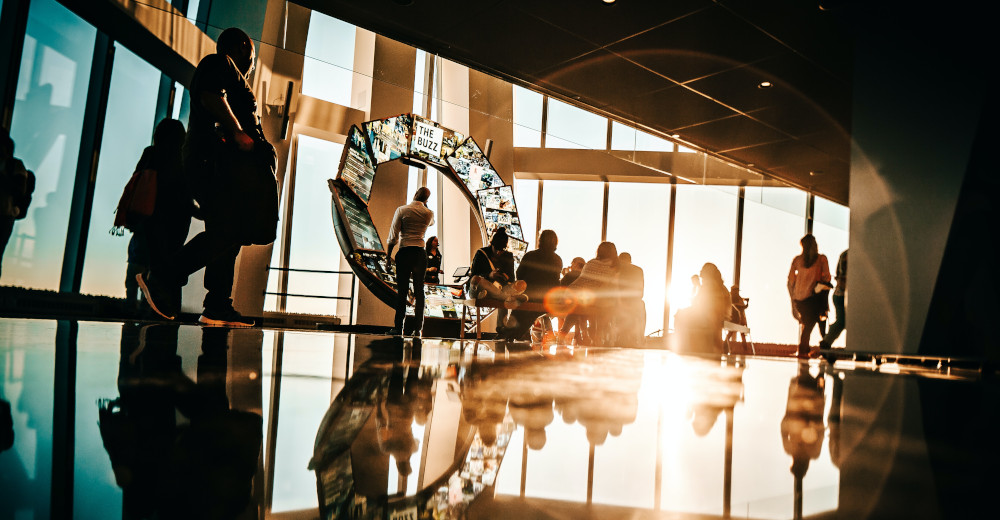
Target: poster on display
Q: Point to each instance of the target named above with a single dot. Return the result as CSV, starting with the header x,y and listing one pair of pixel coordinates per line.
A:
x,y
389,137
501,198
356,168
433,142
473,169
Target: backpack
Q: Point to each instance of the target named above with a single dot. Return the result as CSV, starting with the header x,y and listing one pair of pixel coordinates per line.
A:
x,y
23,199
137,202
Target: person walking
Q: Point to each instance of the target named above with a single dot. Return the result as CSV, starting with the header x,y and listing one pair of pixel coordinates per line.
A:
x,y
409,223
839,297
226,161
808,283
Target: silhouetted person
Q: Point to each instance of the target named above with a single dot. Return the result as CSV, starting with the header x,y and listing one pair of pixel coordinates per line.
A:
x,y
738,313
699,326
226,161
595,290
433,272
492,273
632,310
572,321
409,224
156,239
539,270
808,282
16,185
839,297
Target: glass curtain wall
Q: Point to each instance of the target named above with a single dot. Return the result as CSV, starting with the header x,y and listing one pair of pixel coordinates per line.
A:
x,y
48,117
573,209
638,215
773,223
704,232
527,118
328,69
570,127
128,129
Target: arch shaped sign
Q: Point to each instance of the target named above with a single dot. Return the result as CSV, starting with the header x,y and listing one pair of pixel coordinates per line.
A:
x,y
414,139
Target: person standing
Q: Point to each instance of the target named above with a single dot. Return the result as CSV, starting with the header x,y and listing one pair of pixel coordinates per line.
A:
x,y
839,295
433,274
224,154
409,224
808,282
539,270
632,310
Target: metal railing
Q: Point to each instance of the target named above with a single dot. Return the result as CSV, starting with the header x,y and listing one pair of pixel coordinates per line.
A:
x,y
285,294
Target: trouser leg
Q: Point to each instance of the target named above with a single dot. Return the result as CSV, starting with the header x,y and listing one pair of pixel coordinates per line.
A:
x,y
411,263
838,326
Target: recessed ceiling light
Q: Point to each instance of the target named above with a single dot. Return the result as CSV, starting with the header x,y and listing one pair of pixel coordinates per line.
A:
x,y
765,84
609,2
816,173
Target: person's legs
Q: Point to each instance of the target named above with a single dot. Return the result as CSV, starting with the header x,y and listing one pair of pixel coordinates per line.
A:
x,y
411,263
837,326
417,275
808,317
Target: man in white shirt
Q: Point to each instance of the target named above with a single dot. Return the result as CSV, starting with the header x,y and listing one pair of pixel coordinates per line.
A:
x,y
409,224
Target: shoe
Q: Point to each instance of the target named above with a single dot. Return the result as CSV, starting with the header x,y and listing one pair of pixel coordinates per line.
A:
x,y
225,317
157,296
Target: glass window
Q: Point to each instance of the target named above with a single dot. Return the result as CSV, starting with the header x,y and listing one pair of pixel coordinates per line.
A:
x,y
313,241
704,231
638,215
831,224
526,199
48,115
627,138
527,118
419,96
128,127
329,62
773,223
572,127
573,209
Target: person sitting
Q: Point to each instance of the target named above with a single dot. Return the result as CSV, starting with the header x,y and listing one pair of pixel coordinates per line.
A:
x,y
595,290
540,270
700,325
493,273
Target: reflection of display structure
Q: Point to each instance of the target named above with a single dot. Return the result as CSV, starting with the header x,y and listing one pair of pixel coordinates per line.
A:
x,y
459,159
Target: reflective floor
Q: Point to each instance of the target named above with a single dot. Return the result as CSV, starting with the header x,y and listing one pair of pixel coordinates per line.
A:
x,y
115,420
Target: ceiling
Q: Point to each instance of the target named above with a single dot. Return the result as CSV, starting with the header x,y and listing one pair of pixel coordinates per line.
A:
x,y
689,68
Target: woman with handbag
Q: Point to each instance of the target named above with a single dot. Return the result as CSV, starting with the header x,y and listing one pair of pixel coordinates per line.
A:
x,y
808,286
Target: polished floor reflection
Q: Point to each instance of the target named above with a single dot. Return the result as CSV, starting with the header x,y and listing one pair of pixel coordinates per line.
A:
x,y
113,420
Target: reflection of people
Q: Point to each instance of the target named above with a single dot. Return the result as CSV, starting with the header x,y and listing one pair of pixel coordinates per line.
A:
x,y
808,279
839,295
631,310
700,325
158,237
802,429
409,224
157,461
433,272
222,102
540,270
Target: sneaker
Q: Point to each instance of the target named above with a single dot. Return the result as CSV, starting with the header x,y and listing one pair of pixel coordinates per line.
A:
x,y
157,296
225,317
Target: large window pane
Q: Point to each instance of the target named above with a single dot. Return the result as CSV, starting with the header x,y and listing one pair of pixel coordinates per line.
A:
x,y
48,115
128,127
628,138
637,223
573,210
571,127
527,118
526,198
329,64
313,241
704,231
772,227
831,223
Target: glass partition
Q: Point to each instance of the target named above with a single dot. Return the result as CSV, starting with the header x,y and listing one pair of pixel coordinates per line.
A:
x,y
48,116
